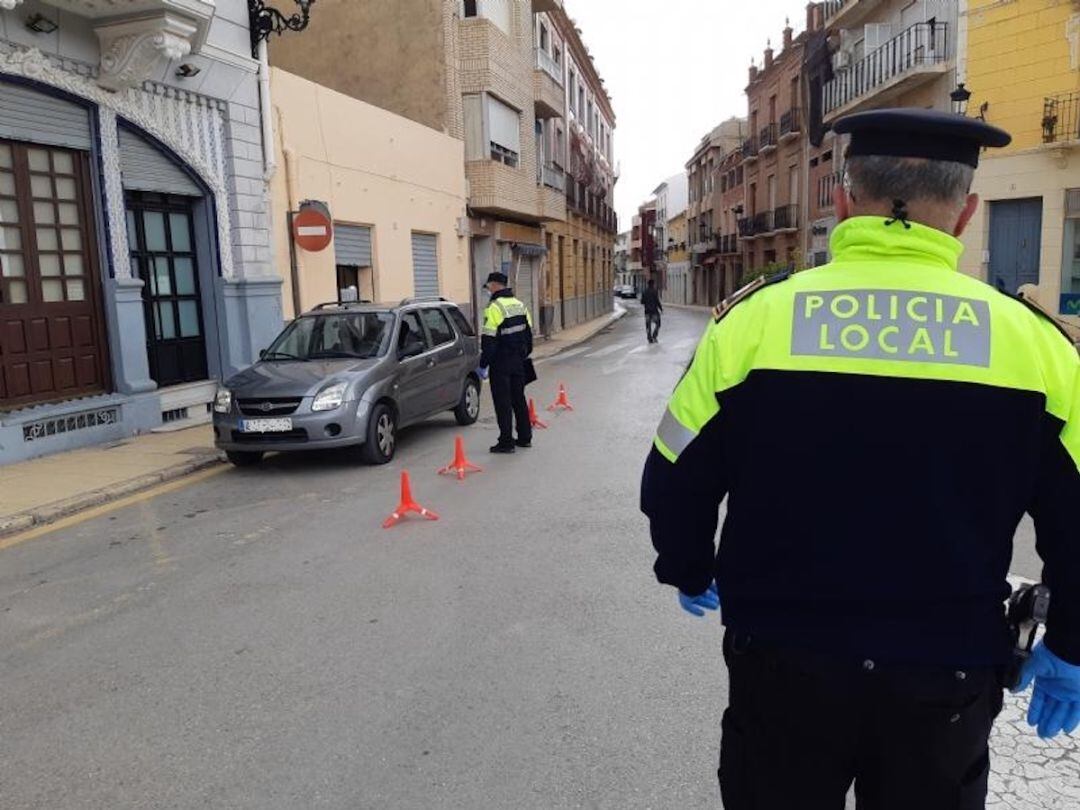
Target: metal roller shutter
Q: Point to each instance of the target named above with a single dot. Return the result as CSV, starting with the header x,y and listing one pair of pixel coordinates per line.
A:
x,y
352,245
27,115
143,167
425,265
523,284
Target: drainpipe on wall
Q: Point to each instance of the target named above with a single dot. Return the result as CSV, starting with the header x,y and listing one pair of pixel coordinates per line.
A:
x,y
292,182
266,114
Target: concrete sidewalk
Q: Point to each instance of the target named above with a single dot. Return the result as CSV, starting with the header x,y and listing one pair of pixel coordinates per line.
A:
x,y
42,491
576,335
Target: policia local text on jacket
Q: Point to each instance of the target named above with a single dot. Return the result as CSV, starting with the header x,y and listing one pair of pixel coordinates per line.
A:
x,y
505,346
879,427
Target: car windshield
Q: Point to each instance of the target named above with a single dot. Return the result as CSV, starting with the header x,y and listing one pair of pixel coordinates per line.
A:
x,y
336,335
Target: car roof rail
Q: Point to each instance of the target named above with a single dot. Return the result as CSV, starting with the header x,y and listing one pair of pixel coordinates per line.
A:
x,y
420,299
339,305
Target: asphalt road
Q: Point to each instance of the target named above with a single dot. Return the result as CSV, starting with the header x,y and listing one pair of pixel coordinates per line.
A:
x,y
256,640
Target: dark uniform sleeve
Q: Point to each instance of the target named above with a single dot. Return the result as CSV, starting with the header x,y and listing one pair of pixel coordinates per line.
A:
x,y
1056,512
684,480
489,335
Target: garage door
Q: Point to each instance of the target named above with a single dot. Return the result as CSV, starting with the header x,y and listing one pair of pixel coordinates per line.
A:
x,y
523,284
425,265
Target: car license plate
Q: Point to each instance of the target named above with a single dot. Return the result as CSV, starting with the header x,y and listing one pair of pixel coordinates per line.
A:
x,y
265,425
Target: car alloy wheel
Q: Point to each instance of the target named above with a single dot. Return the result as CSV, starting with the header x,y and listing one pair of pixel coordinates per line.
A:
x,y
472,401
385,432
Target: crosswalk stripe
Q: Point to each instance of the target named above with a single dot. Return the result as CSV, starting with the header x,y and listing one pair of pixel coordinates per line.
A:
x,y
605,352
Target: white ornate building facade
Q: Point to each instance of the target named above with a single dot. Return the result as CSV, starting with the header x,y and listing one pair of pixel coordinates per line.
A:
x,y
135,261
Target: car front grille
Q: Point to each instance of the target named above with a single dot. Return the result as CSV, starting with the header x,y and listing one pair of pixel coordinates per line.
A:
x,y
295,435
269,407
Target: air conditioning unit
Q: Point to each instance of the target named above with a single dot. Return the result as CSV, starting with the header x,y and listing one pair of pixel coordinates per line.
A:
x,y
463,227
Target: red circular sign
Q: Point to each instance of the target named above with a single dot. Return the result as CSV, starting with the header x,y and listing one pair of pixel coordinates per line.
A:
x,y
312,229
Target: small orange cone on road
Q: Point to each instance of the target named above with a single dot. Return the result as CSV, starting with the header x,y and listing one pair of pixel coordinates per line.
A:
x,y
562,401
534,420
407,505
461,465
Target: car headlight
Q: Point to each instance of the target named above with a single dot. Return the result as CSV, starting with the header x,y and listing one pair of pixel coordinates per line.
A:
x,y
330,397
223,401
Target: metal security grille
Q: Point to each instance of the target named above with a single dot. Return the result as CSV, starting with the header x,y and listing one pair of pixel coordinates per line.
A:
x,y
352,245
27,115
144,168
425,265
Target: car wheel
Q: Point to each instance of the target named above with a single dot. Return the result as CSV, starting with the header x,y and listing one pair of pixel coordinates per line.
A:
x,y
468,410
381,436
244,458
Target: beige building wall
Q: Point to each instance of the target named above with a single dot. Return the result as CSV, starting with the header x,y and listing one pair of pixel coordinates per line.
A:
x,y
372,168
389,53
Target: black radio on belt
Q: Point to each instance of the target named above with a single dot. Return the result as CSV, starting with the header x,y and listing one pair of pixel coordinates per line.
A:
x,y
1028,608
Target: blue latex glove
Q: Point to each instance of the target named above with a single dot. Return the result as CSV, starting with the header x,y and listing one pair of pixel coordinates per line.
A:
x,y
483,374
697,605
1055,702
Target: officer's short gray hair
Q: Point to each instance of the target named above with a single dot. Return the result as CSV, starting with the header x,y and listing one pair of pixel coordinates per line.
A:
x,y
908,179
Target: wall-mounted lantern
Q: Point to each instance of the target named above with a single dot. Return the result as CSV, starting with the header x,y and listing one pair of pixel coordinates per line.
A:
x,y
267,20
960,98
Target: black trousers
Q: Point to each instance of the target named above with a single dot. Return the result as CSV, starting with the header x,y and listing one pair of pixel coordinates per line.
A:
x,y
652,325
799,731
508,394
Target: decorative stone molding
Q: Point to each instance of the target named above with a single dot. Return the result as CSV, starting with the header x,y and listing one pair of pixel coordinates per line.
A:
x,y
131,50
9,5
192,126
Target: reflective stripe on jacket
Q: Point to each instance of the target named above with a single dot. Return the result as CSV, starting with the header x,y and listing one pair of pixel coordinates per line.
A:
x,y
506,337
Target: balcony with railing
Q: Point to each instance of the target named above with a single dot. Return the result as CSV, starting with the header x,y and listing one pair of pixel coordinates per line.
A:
x,y
749,149
790,124
548,93
763,223
826,185
746,228
1061,118
786,219
848,13
767,138
917,55
553,177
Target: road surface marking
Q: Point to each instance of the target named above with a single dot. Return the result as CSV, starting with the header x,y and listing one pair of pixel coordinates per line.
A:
x,y
609,350
106,508
570,353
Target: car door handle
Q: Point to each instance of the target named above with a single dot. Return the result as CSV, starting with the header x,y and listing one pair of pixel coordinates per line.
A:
x,y
431,363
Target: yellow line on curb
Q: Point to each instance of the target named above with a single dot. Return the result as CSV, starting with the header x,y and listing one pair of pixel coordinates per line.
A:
x,y
112,506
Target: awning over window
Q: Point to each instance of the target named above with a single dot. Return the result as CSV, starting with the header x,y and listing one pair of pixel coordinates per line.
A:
x,y
525,249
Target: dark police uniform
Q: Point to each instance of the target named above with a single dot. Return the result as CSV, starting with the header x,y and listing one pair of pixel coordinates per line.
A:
x,y
879,427
505,346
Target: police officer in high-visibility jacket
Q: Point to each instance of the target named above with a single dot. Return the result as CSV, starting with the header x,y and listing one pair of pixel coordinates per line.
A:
x,y
879,426
505,345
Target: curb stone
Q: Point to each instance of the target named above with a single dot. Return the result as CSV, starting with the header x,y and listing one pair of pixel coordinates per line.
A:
x,y
52,512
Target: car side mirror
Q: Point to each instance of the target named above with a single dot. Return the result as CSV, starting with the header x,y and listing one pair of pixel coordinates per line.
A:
x,y
263,353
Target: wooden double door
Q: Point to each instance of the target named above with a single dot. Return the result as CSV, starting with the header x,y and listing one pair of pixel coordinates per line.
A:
x,y
52,336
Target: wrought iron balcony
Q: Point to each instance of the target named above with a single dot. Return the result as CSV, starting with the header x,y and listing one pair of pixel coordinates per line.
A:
x,y
1061,118
767,138
826,184
786,218
763,223
790,124
746,227
553,177
907,58
750,148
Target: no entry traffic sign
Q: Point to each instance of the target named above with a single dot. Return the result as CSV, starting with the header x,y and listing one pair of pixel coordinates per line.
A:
x,y
313,230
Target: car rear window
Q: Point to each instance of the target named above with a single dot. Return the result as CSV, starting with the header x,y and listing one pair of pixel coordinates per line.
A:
x,y
461,322
438,326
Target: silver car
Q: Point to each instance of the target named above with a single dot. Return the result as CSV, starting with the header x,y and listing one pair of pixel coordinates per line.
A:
x,y
351,375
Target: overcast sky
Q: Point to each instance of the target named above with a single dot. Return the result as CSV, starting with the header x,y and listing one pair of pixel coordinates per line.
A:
x,y
674,69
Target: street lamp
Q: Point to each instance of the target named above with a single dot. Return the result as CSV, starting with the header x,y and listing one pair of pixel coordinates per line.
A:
x,y
960,98
266,20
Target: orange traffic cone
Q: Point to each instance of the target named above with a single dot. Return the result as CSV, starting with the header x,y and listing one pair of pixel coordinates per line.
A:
x,y
460,464
407,504
534,420
562,401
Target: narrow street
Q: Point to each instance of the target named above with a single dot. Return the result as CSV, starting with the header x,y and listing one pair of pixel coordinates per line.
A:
x,y
255,640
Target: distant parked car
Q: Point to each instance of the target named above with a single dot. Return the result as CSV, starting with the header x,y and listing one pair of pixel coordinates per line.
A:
x,y
626,291
351,375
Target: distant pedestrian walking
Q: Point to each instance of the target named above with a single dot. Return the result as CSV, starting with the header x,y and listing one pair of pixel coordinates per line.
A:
x,y
650,300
